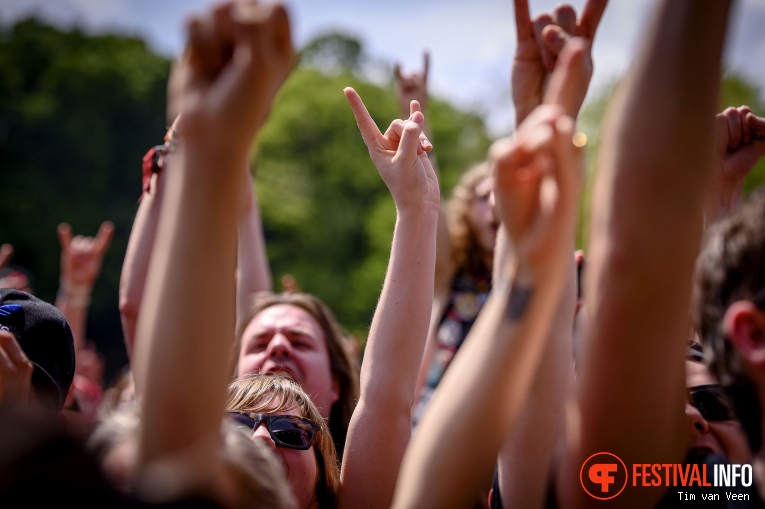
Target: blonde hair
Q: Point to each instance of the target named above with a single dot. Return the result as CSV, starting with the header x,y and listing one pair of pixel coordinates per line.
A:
x,y
274,393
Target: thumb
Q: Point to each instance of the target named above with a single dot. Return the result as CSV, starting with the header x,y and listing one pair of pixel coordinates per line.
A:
x,y
410,138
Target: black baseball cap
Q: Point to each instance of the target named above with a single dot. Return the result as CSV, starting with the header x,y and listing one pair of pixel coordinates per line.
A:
x,y
46,339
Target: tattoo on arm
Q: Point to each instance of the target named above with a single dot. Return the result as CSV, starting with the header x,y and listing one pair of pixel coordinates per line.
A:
x,y
519,301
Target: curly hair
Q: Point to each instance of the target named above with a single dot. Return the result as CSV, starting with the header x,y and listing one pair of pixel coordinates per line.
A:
x,y
468,254
344,369
272,394
729,269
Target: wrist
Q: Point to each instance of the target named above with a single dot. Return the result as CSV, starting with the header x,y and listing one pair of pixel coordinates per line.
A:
x,y
75,294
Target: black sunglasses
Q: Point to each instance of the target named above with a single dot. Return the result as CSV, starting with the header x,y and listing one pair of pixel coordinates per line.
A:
x,y
290,431
711,402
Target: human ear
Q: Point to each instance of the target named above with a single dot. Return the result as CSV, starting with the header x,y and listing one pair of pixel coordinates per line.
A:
x,y
744,326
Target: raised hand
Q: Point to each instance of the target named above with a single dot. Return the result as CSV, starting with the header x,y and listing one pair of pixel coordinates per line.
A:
x,y
236,61
15,371
740,142
412,87
740,139
82,257
538,173
539,42
400,156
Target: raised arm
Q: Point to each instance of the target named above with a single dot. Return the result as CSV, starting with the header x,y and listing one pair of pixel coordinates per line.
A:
x,y
141,242
81,261
740,143
253,271
238,58
525,464
381,424
645,235
537,172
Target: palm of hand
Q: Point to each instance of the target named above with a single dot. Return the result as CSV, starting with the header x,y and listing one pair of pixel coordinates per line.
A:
x,y
83,267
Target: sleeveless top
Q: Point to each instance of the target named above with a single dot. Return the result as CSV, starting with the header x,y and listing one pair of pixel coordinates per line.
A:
x,y
467,296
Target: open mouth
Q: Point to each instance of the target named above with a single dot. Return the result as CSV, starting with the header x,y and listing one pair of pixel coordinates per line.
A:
x,y
698,455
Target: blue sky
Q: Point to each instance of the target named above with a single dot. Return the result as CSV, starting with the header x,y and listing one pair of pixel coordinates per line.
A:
x,y
471,43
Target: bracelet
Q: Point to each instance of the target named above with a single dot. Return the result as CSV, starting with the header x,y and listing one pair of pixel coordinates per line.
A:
x,y
74,295
153,160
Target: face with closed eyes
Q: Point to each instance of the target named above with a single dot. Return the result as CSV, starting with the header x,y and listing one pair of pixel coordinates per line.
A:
x,y
287,339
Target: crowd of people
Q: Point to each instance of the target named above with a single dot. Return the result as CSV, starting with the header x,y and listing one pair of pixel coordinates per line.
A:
x,y
495,366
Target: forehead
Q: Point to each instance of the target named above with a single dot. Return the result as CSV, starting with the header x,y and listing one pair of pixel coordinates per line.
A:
x,y
285,316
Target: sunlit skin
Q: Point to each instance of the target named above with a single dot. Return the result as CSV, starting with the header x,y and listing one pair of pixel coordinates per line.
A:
x,y
482,219
717,437
286,339
301,467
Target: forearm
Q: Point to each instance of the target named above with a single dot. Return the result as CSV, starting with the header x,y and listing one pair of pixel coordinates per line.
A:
x,y
136,265
489,378
526,455
73,302
391,362
254,273
659,137
646,229
180,365
721,201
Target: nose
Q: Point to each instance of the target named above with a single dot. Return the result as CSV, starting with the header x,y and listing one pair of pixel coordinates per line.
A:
x,y
279,346
261,433
699,425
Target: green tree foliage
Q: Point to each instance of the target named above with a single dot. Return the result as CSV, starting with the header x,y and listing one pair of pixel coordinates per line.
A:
x,y
77,113
328,216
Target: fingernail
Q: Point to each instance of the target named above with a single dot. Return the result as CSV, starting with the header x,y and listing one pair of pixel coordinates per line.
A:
x,y
418,117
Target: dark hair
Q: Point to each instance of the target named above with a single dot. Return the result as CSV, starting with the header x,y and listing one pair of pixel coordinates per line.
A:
x,y
730,268
342,366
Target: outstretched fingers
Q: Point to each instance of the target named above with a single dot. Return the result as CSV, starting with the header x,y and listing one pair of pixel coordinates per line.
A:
x,y
591,15
523,26
369,131
104,237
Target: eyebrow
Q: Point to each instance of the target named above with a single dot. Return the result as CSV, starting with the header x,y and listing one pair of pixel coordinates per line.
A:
x,y
299,331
